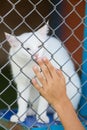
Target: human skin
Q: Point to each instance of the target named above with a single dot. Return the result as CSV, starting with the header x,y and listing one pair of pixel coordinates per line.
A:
x,y
53,89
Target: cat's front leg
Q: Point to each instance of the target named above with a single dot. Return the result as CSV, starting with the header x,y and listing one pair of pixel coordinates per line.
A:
x,y
42,111
22,100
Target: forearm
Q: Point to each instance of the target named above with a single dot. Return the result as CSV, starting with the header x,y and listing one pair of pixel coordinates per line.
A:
x,y
67,115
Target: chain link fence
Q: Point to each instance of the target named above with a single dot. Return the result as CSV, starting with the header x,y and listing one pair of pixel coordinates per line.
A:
x,y
66,22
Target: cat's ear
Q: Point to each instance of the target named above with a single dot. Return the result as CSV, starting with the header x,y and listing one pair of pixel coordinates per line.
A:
x,y
11,39
43,30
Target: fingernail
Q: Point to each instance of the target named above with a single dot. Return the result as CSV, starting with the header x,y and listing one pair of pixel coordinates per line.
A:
x,y
35,67
38,60
44,58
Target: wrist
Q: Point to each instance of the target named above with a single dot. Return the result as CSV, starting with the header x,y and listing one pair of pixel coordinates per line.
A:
x,y
58,104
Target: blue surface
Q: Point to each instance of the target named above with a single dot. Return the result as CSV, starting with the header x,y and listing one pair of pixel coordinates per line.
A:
x,y
83,102
31,122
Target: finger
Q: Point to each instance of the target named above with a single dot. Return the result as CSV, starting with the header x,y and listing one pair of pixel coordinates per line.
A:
x,y
44,69
50,66
40,77
36,85
60,73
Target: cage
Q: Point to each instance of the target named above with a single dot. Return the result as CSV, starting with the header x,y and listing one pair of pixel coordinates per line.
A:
x,y
67,22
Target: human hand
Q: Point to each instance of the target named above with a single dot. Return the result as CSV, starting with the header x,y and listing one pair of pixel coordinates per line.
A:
x,y
53,89
53,86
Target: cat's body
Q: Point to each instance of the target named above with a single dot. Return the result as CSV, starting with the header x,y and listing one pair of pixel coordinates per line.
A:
x,y
22,62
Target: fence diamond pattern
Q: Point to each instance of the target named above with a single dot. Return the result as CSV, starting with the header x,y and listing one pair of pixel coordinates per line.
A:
x,y
66,21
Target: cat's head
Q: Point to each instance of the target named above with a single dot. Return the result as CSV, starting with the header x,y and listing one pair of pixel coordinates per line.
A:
x,y
28,44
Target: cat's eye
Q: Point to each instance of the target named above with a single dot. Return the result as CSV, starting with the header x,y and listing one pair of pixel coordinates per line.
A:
x,y
27,49
39,46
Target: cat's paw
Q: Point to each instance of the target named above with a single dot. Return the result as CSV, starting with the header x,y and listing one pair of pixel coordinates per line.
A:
x,y
42,119
16,118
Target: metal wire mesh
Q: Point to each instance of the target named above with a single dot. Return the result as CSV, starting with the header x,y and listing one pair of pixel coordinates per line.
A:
x,y
66,22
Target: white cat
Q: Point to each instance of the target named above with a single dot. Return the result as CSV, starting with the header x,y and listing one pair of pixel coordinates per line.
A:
x,y
24,49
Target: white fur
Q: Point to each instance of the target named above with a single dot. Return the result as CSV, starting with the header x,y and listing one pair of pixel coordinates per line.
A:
x,y
23,49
